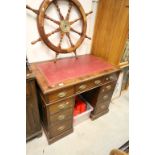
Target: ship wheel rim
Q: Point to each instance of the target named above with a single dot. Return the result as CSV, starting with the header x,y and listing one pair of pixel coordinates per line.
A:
x,y
40,24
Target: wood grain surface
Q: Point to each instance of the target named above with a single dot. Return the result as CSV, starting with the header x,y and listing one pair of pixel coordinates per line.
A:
x,y
111,30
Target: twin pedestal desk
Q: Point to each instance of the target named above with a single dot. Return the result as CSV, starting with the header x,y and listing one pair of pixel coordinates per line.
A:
x,y
58,84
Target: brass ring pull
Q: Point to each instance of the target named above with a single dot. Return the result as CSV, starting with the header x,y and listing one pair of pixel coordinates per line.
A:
x,y
62,94
61,117
82,87
105,97
97,82
61,128
108,87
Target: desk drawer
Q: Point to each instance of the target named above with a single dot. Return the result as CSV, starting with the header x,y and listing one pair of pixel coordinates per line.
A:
x,y
108,87
59,128
62,105
61,116
60,94
102,107
88,85
110,78
105,96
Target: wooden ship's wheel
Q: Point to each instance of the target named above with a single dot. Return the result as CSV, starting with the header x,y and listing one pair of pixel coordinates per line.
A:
x,y
64,25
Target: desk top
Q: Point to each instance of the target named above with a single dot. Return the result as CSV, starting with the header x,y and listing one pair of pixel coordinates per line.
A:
x,y
68,71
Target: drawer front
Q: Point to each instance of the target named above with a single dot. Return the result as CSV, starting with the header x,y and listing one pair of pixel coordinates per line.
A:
x,y
102,107
110,78
83,87
60,94
105,96
59,128
88,85
61,116
62,105
108,87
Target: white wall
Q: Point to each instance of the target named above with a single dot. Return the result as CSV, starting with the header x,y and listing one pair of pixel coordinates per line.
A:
x,y
40,51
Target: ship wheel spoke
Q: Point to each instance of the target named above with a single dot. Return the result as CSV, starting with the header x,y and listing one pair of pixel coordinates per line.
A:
x,y
72,22
61,38
69,10
75,55
46,16
79,33
58,9
71,43
47,35
53,20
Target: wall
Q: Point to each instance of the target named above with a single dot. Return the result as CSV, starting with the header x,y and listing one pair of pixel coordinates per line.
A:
x,y
39,51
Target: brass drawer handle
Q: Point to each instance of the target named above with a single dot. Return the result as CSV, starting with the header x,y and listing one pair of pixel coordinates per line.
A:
x,y
63,105
105,97
61,117
97,82
61,128
111,77
107,78
82,87
62,94
108,87
103,107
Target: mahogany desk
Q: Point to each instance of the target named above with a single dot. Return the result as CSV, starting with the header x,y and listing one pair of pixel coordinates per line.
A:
x,y
60,82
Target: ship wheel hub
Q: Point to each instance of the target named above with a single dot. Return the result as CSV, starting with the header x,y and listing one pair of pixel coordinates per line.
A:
x,y
65,26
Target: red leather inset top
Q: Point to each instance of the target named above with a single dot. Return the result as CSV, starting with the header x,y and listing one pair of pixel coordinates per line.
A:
x,y
72,68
